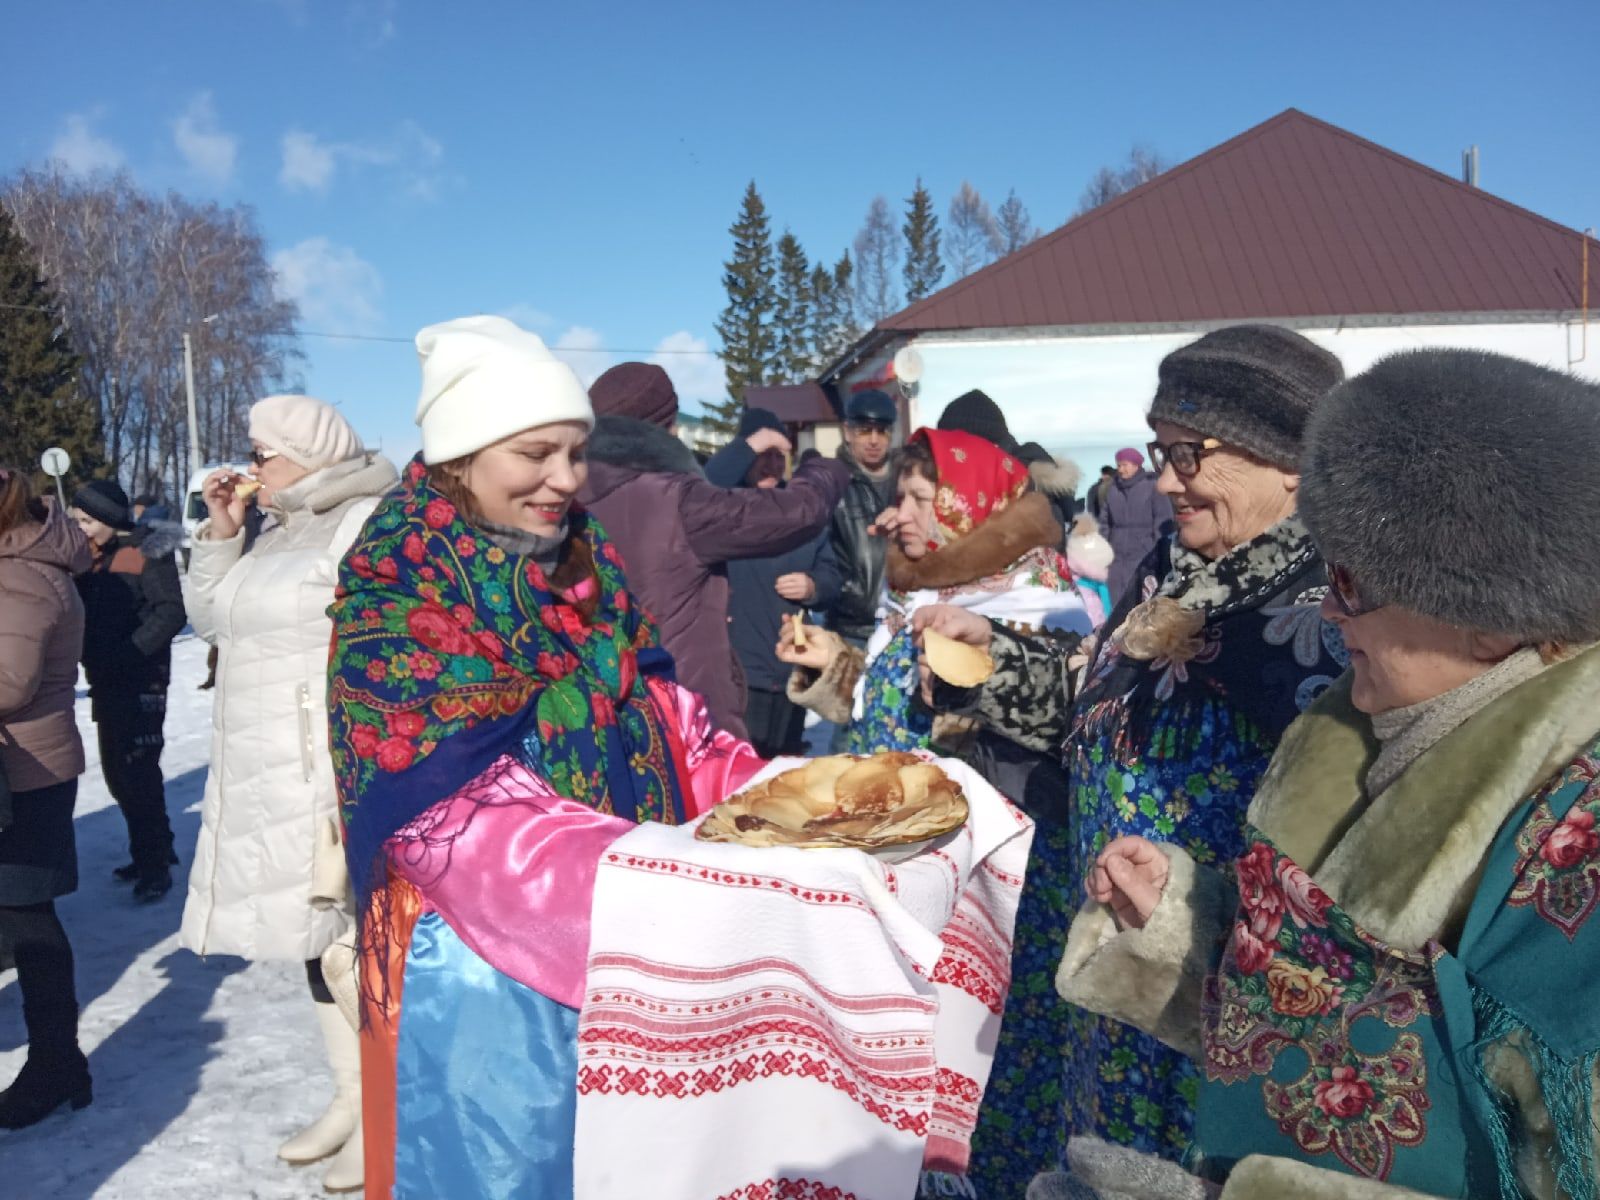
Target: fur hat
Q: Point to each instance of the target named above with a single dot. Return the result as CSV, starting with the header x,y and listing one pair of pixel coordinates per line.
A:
x,y
1251,386
484,380
1129,455
639,390
308,432
106,502
1461,485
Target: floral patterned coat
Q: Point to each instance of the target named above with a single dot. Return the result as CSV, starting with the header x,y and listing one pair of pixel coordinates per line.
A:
x,y
1168,743
1392,992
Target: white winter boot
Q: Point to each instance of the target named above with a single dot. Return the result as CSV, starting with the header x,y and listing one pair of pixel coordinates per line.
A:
x,y
336,1128
347,1171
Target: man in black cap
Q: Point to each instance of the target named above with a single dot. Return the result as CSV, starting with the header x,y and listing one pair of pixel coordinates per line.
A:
x,y
133,608
853,566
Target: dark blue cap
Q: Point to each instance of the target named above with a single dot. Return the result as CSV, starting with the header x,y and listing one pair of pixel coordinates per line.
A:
x,y
871,406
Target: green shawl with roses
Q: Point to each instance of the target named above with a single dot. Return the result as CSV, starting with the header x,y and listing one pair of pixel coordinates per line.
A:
x,y
448,652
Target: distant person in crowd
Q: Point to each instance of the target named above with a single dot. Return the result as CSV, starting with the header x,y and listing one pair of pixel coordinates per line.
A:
x,y
148,509
764,591
806,455
1214,648
520,716
1136,516
857,556
676,531
1095,502
133,608
1090,556
267,882
41,757
1390,986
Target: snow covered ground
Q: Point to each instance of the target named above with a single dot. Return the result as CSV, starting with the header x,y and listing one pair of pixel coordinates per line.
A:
x,y
200,1067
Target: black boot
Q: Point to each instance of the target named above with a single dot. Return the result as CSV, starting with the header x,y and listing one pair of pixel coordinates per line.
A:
x,y
129,871
42,1087
152,886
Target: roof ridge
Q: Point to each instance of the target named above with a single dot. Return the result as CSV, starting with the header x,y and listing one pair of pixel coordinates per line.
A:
x,y
1082,221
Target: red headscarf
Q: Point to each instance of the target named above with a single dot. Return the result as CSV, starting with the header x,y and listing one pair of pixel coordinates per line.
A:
x,y
976,480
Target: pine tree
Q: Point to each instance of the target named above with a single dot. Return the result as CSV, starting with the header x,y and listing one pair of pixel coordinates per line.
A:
x,y
791,316
924,268
745,326
877,257
1015,225
833,320
40,405
974,235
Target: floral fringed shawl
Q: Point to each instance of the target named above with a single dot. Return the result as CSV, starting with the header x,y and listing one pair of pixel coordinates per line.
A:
x,y
448,653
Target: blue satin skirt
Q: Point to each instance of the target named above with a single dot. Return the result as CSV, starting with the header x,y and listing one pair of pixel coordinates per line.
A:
x,y
486,1079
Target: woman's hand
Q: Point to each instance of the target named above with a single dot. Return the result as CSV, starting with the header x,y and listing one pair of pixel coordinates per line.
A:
x,y
819,650
223,504
886,524
1129,876
763,440
797,587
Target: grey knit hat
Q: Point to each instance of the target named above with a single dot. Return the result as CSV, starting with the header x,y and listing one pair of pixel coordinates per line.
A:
x,y
1463,485
1250,386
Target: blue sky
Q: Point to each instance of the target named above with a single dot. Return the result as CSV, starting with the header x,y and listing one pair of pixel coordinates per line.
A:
x,y
577,167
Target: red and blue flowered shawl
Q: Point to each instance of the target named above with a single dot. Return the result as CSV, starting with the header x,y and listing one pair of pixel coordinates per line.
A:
x,y
449,652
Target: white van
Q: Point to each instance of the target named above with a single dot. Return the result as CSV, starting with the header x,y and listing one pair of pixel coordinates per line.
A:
x,y
194,505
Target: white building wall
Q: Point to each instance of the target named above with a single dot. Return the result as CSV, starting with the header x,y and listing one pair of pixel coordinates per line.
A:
x,y
1085,395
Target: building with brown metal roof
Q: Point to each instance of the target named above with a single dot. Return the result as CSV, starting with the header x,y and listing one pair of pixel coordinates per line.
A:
x,y
1296,222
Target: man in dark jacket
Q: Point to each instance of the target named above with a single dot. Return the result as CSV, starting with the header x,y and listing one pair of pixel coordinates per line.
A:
x,y
1136,517
133,608
764,591
853,567
676,531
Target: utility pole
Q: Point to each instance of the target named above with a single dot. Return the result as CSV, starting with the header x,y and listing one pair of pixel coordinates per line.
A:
x,y
194,421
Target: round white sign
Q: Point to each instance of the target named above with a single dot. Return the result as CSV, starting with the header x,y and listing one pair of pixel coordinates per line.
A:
x,y
54,462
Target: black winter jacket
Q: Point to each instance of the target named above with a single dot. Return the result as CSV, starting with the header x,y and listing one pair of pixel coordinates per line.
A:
x,y
853,566
132,608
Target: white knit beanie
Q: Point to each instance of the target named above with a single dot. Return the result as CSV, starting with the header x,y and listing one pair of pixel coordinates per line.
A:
x,y
306,431
484,379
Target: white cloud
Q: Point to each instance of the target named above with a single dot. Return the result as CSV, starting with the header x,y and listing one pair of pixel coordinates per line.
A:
x,y
308,164
409,155
695,369
337,290
199,136
82,151
581,349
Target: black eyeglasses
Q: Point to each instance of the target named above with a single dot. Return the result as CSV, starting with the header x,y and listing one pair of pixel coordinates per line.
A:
x,y
1342,587
262,457
1183,456
882,427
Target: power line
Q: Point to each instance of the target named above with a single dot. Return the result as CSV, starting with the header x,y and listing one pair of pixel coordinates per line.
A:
x,y
406,341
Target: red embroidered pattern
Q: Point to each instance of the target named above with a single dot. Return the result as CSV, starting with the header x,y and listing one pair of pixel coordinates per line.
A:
x,y
1558,859
695,872
974,960
678,1085
634,964
789,1189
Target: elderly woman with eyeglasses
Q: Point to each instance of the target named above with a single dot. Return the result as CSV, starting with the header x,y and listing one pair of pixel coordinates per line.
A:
x,y
1213,651
1393,992
268,881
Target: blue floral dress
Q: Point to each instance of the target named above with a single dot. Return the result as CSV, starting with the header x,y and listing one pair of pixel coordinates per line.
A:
x,y
1169,748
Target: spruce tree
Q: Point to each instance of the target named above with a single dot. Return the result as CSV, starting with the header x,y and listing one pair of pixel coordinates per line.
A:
x,y
924,268
40,405
745,326
824,305
791,316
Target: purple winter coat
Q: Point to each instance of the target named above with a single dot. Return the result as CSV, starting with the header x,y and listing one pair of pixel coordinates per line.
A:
x,y
675,531
1134,518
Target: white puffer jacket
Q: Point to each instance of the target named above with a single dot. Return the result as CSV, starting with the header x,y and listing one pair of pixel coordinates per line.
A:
x,y
269,798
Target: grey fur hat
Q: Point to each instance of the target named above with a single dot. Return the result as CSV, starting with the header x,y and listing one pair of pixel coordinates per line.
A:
x,y
1463,485
1251,386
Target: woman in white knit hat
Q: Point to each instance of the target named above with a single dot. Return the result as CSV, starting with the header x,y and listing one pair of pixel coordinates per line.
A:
x,y
501,710
260,585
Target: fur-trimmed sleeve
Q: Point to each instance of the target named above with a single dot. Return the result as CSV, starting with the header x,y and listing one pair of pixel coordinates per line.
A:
x,y
830,693
1029,697
1151,978
1258,1177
